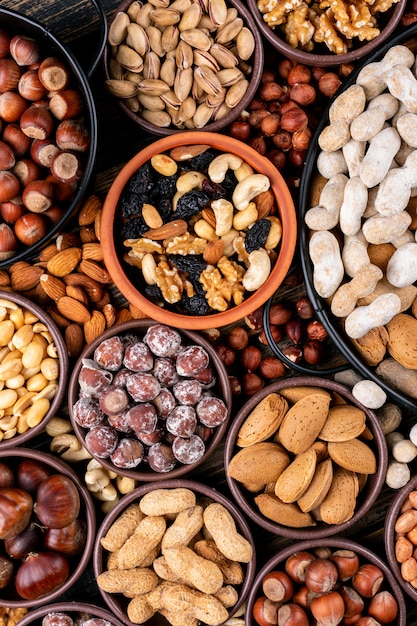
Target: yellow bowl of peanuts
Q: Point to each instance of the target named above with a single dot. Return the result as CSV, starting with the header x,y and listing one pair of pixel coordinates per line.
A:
x,y
326,34
176,550
33,369
198,230
400,537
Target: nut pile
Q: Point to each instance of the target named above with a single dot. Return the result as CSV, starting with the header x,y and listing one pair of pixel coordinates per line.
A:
x,y
143,399
328,585
406,539
214,236
181,65
156,557
317,469
44,140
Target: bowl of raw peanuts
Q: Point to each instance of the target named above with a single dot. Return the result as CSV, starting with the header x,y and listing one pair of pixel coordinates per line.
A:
x,y
33,369
176,550
400,537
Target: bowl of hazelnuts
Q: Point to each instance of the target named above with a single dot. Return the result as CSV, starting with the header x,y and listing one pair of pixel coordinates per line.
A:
x,y
149,401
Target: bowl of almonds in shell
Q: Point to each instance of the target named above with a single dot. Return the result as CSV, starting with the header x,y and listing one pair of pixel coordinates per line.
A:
x,y
304,459
182,65
198,230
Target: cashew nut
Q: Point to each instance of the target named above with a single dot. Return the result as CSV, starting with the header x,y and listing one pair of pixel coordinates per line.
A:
x,y
258,270
190,180
58,426
243,171
69,448
245,218
220,164
248,188
223,212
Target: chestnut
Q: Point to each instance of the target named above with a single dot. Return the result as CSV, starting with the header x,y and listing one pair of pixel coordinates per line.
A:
x,y
69,540
6,476
15,511
41,573
6,571
30,473
19,546
57,501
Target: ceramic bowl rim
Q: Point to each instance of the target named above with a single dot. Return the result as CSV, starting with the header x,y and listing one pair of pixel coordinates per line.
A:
x,y
372,490
69,606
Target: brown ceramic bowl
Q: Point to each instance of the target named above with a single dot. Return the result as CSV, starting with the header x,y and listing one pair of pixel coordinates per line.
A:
x,y
221,388
132,285
321,54
394,511
23,303
332,543
116,602
74,609
369,492
255,62
78,563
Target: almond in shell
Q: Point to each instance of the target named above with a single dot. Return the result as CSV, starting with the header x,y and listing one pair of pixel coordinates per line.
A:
x,y
303,422
294,394
343,422
287,514
259,464
318,488
295,479
402,340
354,455
263,421
339,504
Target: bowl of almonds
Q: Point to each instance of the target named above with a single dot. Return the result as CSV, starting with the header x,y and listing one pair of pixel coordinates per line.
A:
x,y
208,230
325,454
33,369
400,537
183,65
176,552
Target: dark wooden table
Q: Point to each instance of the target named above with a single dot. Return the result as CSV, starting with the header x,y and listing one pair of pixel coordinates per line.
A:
x,y
76,24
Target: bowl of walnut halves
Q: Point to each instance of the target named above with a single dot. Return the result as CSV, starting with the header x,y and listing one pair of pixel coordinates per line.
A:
x,y
327,33
148,401
198,230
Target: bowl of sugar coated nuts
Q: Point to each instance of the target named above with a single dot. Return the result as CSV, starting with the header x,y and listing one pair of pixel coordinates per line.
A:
x,y
326,36
33,368
367,301
48,139
189,549
400,537
47,527
149,401
325,454
338,581
70,614
198,230
184,66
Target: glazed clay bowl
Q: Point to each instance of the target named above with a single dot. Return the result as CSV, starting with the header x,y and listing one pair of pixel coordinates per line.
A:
x,y
129,279
319,548
154,437
397,506
64,205
397,387
290,523
49,392
79,612
78,562
321,55
205,495
251,71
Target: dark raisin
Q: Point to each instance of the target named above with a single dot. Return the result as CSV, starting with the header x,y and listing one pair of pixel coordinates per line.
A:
x,y
154,292
203,160
142,181
165,187
229,183
190,204
214,190
196,305
130,204
192,263
257,235
164,206
134,228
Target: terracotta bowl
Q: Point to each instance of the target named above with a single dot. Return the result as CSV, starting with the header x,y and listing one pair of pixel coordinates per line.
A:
x,y
394,511
116,602
369,492
321,54
132,285
21,302
75,610
366,556
78,563
143,472
333,324
256,62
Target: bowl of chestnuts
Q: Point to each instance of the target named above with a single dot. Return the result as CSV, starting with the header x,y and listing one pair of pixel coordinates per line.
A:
x,y
33,369
149,401
47,527
208,230
195,550
326,36
70,614
338,581
183,67
48,139
325,453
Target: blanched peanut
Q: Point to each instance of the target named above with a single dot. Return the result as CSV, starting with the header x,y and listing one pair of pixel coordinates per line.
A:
x,y
361,285
379,156
355,253
354,151
328,267
325,215
354,203
372,77
402,266
382,229
378,313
